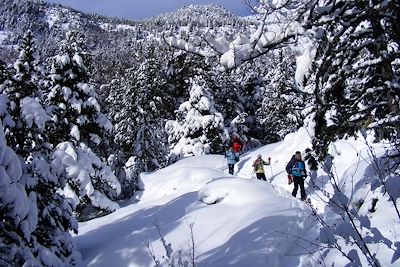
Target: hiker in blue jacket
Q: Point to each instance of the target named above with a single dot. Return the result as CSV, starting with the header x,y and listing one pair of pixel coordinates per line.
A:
x,y
296,169
231,157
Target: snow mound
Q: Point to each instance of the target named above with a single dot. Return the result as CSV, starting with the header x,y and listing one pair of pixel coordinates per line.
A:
x,y
212,196
234,190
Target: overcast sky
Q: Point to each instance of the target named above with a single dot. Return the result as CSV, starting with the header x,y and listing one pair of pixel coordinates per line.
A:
x,y
139,9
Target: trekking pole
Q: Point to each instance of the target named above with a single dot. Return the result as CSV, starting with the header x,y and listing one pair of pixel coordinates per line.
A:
x,y
270,165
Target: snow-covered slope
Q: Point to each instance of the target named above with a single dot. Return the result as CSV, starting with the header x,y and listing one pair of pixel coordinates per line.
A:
x,y
238,220
240,228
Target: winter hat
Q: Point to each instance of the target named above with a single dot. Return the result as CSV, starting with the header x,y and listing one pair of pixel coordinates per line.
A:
x,y
259,156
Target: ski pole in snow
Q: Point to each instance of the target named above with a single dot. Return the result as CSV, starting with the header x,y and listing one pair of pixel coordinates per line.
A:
x,y
270,165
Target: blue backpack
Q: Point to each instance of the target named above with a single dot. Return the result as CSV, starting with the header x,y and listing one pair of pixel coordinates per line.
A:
x,y
298,169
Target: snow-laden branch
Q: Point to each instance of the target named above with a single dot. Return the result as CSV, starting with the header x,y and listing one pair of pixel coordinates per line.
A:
x,y
279,23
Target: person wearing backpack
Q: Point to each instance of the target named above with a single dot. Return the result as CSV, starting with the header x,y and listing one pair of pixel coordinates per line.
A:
x,y
296,169
231,157
258,166
236,144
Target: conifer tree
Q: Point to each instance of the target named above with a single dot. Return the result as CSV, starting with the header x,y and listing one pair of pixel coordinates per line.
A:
x,y
152,105
356,77
18,212
282,104
140,101
140,132
79,130
25,129
198,128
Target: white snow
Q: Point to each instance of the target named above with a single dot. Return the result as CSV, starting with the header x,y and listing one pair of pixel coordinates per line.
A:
x,y
92,102
79,165
125,27
33,112
104,122
52,17
304,61
118,27
242,228
62,60
2,137
76,104
75,133
86,88
238,220
78,60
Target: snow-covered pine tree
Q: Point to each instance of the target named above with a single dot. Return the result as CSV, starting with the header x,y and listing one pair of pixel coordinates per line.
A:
x,y
79,131
26,119
153,96
121,109
76,108
115,101
198,128
23,95
282,104
150,145
357,77
238,95
140,132
181,67
18,212
250,79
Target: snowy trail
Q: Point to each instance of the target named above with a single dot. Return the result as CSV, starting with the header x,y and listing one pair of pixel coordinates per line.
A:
x,y
238,220
245,226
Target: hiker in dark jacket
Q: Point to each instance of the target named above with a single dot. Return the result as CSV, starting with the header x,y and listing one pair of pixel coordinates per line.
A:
x,y
231,157
296,169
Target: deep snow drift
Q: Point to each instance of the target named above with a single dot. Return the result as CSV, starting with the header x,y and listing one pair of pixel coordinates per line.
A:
x,y
238,220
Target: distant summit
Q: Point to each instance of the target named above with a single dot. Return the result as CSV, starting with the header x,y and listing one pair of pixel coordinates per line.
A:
x,y
202,10
200,15
108,39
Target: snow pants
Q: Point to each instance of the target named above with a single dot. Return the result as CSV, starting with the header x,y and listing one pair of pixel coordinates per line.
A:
x,y
261,176
231,168
299,181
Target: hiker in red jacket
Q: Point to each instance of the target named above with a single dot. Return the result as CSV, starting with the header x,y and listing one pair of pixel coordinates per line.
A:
x,y
236,144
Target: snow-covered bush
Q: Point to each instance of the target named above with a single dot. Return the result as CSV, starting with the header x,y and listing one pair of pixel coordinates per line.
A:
x,y
89,180
173,258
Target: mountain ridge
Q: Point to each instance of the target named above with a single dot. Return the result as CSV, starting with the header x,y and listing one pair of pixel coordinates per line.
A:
x,y
108,39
